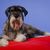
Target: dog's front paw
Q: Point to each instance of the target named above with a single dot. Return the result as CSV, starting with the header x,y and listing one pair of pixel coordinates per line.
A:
x,y
3,42
20,38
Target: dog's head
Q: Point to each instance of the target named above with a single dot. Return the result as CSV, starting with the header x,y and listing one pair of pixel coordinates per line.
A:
x,y
15,16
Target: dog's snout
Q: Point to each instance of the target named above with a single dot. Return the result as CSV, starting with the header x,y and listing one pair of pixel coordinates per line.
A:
x,y
16,15
16,22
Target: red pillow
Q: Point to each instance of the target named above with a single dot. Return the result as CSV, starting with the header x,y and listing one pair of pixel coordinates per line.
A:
x,y
42,43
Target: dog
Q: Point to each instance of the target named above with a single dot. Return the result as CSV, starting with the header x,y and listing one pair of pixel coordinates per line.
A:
x,y
15,29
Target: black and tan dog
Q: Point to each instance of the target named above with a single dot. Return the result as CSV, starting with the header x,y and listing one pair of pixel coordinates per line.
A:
x,y
15,29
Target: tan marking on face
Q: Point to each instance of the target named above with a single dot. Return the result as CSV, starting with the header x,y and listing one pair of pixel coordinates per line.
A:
x,y
12,19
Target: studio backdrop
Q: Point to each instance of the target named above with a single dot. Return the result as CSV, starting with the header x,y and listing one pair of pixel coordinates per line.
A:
x,y
38,13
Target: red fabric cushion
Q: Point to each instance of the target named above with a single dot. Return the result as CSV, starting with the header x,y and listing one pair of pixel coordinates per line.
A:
x,y
42,43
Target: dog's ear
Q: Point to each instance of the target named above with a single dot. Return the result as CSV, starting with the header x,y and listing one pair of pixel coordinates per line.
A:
x,y
7,12
15,8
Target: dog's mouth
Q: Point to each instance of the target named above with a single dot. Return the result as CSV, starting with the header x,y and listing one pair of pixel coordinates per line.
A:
x,y
16,24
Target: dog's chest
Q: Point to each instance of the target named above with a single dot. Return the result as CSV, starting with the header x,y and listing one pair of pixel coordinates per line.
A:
x,y
13,34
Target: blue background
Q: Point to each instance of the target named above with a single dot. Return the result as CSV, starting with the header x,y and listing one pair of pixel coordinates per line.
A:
x,y
38,12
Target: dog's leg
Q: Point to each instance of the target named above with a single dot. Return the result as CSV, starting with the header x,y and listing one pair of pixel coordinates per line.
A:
x,y
20,38
4,41
45,34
